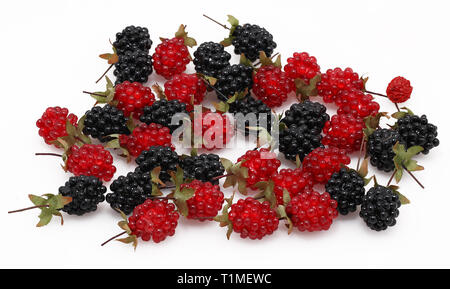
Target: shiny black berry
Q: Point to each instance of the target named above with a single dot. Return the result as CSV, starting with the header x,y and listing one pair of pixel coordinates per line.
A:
x,y
379,148
162,111
233,79
307,115
347,188
203,167
86,192
134,66
295,141
103,121
251,39
158,156
416,131
210,58
132,38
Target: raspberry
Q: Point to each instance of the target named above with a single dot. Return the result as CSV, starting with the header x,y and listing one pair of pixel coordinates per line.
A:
x,y
134,66
347,188
154,219
335,81
344,132
207,127
52,123
294,181
311,211
186,88
379,148
302,66
133,97
261,165
251,39
323,162
145,136
86,192
357,103
307,115
91,160
162,111
253,219
233,79
203,167
272,85
416,131
210,58
171,57
129,191
299,141
399,90
133,38
158,156
103,121
379,208
206,202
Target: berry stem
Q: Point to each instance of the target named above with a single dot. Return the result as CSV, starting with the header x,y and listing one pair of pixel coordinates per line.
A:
x,y
391,178
217,22
105,73
112,238
162,198
379,94
396,106
166,187
412,176
48,154
220,177
363,142
259,62
215,89
92,93
29,208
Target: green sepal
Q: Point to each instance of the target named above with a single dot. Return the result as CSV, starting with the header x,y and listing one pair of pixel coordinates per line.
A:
x,y
52,203
159,91
403,200
154,175
372,123
267,190
106,96
223,219
123,224
298,162
364,80
131,239
110,57
401,114
403,159
305,90
222,106
236,175
281,212
265,60
131,125
234,23
115,144
181,33
245,61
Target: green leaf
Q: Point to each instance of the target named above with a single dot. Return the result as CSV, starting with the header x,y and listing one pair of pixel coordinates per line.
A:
x,y
411,165
221,106
45,217
227,164
414,150
264,60
229,230
232,20
227,42
245,61
124,226
286,197
364,169
129,240
306,90
181,33
37,201
298,162
131,125
242,186
113,144
281,211
230,181
398,175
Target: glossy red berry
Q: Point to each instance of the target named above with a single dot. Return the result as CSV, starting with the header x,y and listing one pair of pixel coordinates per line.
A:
x,y
187,88
335,81
52,123
91,160
344,131
272,85
323,162
294,181
133,97
154,220
357,103
206,202
399,90
302,66
253,219
216,130
311,211
145,136
171,57
261,165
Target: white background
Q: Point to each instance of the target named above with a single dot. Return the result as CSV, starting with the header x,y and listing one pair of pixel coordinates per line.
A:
x,y
49,54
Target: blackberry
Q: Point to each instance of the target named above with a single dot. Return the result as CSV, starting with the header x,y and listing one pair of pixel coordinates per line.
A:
x,y
86,192
133,38
379,208
307,115
162,111
347,188
248,105
134,66
232,79
379,148
298,141
416,131
158,156
203,167
210,58
129,191
103,121
251,39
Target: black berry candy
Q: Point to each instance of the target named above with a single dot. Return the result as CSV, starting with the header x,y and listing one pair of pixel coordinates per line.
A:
x,y
133,38
298,141
158,156
134,66
233,79
162,111
103,121
203,167
347,188
210,58
379,208
86,192
307,115
251,39
247,105
379,148
416,131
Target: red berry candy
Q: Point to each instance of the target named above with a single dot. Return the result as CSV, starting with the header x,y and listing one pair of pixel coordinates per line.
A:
x,y
272,85
344,131
206,202
335,81
207,127
253,219
311,211
171,57
357,103
145,136
323,162
187,88
154,219
133,97
52,123
302,66
399,90
91,160
261,164
294,181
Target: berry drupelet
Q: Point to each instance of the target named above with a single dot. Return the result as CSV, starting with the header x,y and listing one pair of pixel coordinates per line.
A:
x,y
272,85
162,111
86,192
132,98
294,181
158,156
233,79
344,132
210,58
251,39
171,57
206,201
299,141
417,131
335,81
322,163
52,123
379,148
186,88
103,121
245,107
204,167
134,66
261,165
399,90
133,38
357,103
307,115
302,66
